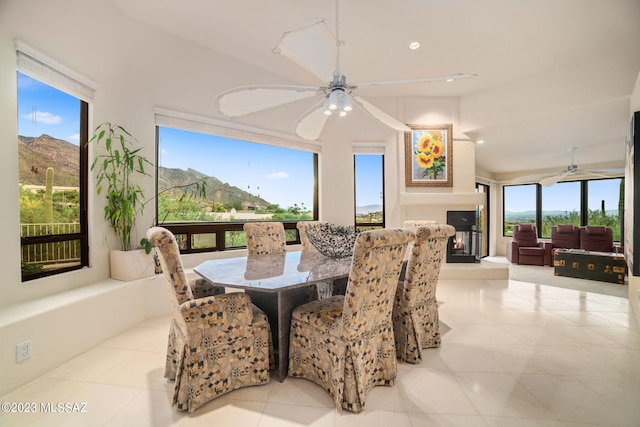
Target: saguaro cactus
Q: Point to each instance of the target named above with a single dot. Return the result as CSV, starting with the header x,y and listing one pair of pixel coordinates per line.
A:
x,y
48,196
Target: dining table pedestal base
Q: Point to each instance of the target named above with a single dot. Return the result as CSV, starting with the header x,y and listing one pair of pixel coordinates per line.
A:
x,y
278,307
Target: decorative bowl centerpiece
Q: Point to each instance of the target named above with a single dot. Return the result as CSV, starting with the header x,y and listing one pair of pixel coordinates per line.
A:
x,y
331,240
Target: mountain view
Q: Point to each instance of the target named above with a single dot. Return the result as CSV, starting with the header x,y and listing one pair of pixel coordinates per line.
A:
x,y
36,154
531,215
365,210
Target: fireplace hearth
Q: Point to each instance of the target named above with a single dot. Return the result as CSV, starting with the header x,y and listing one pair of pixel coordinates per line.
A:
x,y
464,246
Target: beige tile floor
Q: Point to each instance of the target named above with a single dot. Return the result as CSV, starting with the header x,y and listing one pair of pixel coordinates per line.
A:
x,y
513,354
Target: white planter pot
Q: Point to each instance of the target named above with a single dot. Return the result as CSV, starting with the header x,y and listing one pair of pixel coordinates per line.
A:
x,y
131,265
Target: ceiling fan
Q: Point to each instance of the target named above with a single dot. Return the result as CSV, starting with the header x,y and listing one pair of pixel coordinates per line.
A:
x,y
553,178
337,97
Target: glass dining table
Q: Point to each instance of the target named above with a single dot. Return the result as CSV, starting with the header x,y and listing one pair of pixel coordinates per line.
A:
x,y
276,283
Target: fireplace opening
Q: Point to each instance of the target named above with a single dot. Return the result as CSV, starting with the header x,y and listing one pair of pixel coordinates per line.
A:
x,y
464,246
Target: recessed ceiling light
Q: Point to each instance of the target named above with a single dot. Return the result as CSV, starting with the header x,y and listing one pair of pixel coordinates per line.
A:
x,y
414,45
480,141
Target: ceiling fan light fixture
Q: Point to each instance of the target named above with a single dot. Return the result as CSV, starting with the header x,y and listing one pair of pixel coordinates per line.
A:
x,y
346,104
332,101
337,96
326,107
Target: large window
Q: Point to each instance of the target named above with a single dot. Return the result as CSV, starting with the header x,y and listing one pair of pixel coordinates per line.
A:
x,y
519,204
242,181
52,134
369,191
586,202
560,205
606,204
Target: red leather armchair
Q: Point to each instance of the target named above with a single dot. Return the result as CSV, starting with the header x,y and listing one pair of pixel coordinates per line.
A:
x,y
565,236
525,249
598,238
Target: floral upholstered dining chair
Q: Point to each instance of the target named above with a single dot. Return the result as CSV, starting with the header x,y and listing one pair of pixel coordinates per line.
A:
x,y
265,238
345,343
321,289
415,223
416,324
217,343
302,231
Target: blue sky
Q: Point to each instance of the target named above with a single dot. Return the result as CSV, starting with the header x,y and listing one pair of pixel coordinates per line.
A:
x,y
563,196
279,175
369,180
285,176
45,110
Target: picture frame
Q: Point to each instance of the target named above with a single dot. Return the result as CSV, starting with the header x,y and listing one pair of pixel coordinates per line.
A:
x,y
631,195
429,156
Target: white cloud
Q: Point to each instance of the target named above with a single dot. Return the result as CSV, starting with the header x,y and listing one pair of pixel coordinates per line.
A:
x,y
75,137
278,175
43,117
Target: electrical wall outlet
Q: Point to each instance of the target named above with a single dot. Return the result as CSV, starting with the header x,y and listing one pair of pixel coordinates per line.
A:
x,y
23,351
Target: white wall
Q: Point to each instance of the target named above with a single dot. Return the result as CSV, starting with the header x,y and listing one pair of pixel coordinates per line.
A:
x,y
137,69
433,202
501,242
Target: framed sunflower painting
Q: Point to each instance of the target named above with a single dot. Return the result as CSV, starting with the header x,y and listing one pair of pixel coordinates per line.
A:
x,y
428,156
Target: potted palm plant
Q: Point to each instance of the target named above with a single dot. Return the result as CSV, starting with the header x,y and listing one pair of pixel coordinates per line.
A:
x,y
119,166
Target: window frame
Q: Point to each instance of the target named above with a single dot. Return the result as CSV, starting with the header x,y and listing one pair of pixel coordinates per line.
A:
x,y
582,208
191,123
368,225
83,235
485,236
40,67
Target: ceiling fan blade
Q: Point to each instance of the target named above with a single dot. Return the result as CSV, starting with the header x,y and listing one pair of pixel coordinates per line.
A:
x,y
449,77
603,173
380,115
550,180
310,124
312,47
249,99
528,179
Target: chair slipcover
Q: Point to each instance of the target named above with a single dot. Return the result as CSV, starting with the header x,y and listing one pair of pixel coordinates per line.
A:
x,y
322,289
415,223
302,230
415,311
345,343
265,238
216,343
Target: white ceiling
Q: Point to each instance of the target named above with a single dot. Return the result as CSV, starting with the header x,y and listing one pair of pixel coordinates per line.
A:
x,y
552,74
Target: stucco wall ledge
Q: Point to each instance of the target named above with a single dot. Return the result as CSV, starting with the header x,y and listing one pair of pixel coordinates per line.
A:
x,y
444,199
